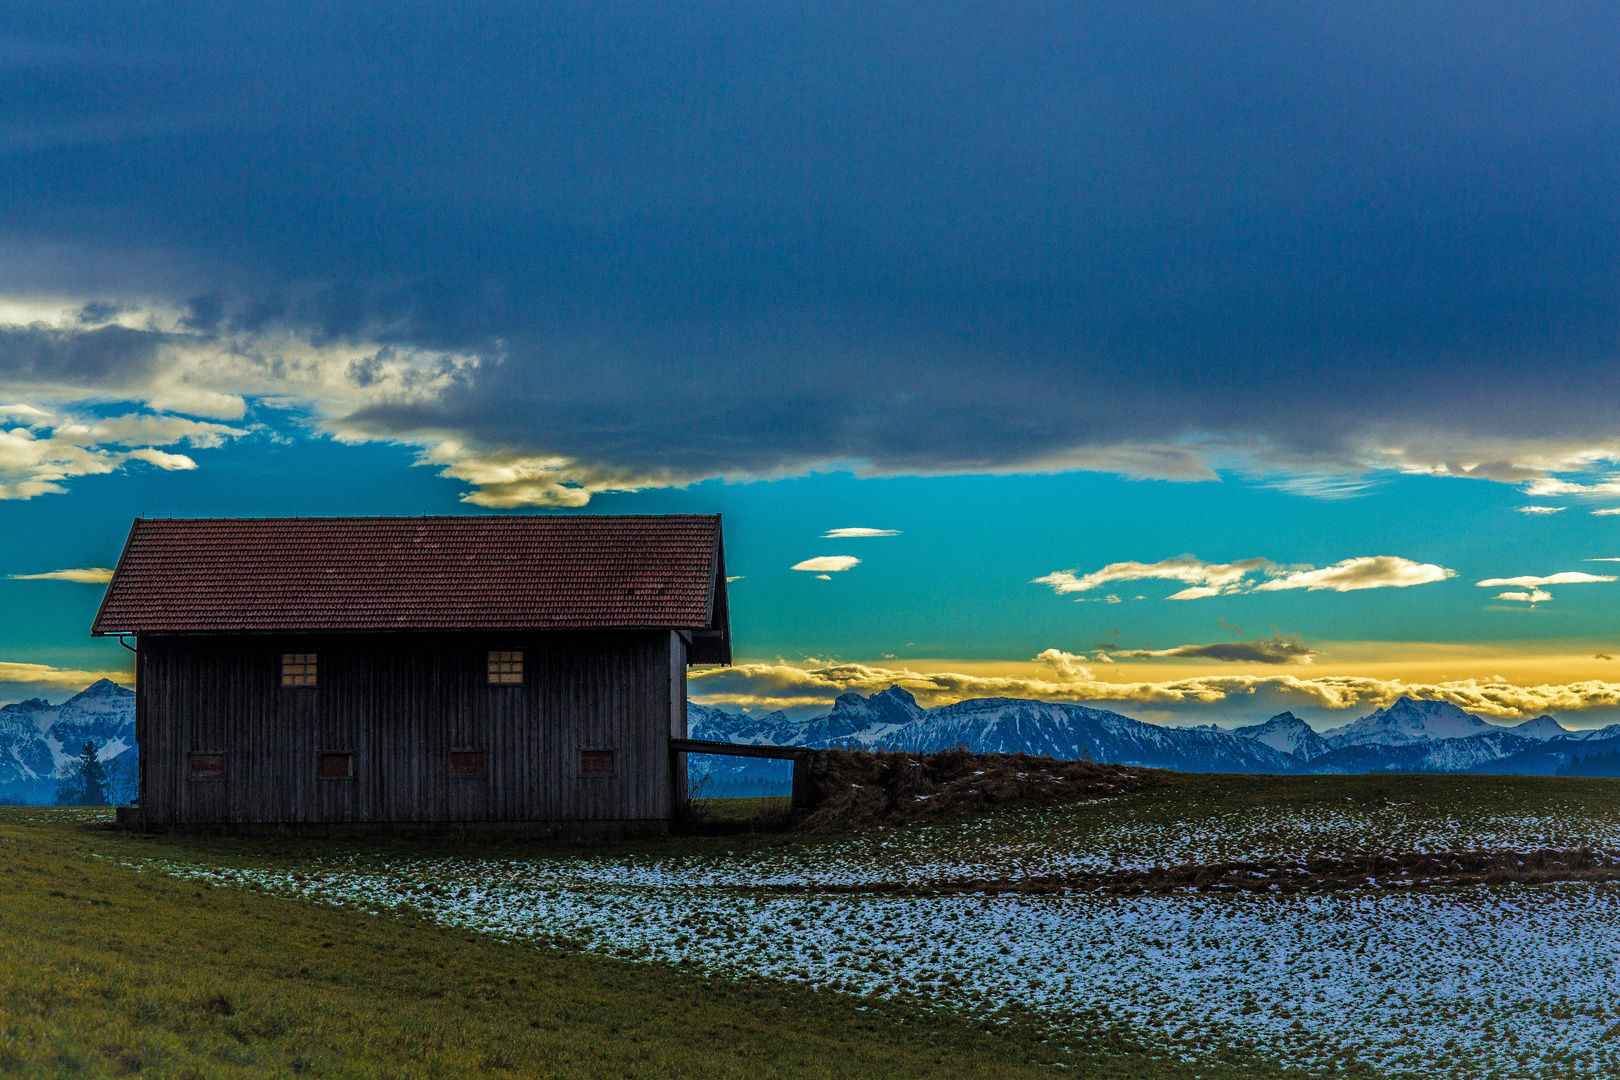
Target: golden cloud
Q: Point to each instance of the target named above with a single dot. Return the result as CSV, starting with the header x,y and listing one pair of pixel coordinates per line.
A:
x,y
782,685
45,675
89,575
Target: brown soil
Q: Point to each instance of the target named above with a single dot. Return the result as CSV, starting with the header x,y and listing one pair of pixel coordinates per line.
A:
x,y
1405,870
857,789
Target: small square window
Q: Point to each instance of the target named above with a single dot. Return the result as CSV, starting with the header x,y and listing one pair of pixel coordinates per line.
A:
x,y
506,667
298,669
466,763
206,766
596,763
336,767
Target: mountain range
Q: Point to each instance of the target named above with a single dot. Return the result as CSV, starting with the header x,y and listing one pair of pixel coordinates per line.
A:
x,y
1407,736
38,738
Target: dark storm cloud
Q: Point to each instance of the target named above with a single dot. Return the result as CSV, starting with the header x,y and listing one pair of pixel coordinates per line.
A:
x,y
1277,650
87,358
725,238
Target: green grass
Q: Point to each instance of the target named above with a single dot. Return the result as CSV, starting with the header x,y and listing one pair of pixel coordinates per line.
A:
x,y
108,972
729,817
754,808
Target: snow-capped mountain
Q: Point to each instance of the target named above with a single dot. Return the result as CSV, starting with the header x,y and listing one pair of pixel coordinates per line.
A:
x,y
102,713
1597,734
1287,734
1408,721
892,720
1473,753
26,760
1542,728
38,738
1408,736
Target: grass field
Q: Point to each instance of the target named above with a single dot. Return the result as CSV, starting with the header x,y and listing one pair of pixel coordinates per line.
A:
x,y
108,971
737,955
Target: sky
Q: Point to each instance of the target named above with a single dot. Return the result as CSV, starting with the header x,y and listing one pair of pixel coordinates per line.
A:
x,y
1196,361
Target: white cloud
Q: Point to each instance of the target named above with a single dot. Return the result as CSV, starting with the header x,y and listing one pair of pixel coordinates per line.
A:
x,y
1569,577
53,448
163,459
823,577
737,577
851,534
89,575
1504,460
1367,572
1216,577
504,480
158,361
1326,487
1543,487
827,564
1196,592
1605,513
1067,666
1220,579
1537,594
1538,509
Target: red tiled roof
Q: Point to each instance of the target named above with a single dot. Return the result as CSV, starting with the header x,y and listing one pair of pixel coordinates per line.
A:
x,y
244,575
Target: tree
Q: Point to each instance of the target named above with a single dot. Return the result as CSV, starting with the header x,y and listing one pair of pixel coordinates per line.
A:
x,y
84,780
123,780
1606,764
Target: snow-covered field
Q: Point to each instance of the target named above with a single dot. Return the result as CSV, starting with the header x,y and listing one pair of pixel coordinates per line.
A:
x,y
1467,982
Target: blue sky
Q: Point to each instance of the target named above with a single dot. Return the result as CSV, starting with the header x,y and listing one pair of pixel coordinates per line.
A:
x,y
1313,300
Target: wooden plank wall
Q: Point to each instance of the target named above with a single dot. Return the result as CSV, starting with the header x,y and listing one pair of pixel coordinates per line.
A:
x,y
401,704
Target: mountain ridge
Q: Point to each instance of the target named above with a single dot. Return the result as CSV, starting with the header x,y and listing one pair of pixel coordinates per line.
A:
x,y
1409,735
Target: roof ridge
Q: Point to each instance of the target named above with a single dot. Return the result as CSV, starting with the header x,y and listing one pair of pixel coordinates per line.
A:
x,y
448,517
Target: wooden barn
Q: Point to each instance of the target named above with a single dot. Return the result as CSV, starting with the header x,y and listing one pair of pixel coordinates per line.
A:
x,y
522,673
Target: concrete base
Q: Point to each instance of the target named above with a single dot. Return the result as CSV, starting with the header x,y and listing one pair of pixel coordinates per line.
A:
x,y
129,817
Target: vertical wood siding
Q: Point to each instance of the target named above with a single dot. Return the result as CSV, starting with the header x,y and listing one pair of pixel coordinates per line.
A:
x,y
401,704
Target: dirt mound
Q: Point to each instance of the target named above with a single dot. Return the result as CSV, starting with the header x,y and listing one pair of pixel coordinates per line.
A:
x,y
855,789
